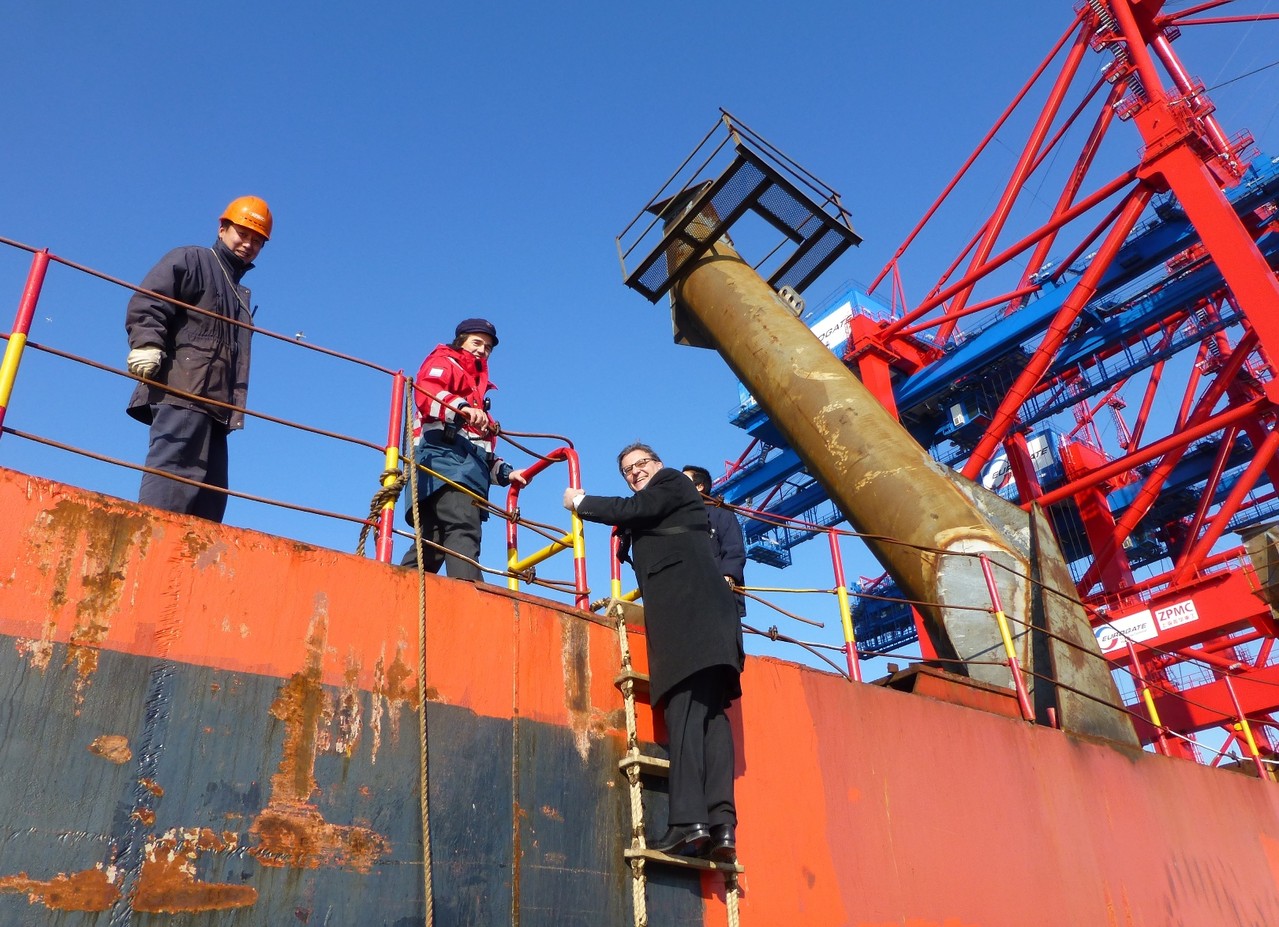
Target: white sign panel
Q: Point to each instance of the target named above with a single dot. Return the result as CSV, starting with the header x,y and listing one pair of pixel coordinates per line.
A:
x,y
1170,616
832,331
1139,626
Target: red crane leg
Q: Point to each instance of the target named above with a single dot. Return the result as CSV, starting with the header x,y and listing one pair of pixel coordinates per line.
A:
x,y
1023,468
1229,507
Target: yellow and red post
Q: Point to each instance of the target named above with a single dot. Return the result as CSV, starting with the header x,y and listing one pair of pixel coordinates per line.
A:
x,y
17,341
1246,729
1147,699
615,573
845,612
615,568
583,596
573,539
394,432
1014,665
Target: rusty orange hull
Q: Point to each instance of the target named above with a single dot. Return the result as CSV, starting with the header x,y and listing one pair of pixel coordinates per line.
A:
x,y
205,725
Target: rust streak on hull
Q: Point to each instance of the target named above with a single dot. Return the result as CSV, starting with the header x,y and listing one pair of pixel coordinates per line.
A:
x,y
89,890
298,836
113,747
168,883
291,831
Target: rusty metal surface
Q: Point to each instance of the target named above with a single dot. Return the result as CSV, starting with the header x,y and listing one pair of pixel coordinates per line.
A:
x,y
914,511
149,791
953,688
206,726
243,818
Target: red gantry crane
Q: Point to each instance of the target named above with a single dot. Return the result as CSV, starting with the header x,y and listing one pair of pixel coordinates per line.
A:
x,y
1156,326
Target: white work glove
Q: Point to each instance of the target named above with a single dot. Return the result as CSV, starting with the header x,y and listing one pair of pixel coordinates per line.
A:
x,y
144,361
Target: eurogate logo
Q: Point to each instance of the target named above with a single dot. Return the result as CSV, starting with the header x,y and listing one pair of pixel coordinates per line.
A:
x,y
1115,635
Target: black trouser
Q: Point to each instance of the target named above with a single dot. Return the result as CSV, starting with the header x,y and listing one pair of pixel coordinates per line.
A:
x,y
451,519
701,747
191,444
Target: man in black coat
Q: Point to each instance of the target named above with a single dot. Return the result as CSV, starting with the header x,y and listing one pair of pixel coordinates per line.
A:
x,y
694,643
185,356
727,539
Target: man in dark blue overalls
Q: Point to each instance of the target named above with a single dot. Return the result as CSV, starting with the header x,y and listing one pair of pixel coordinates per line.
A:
x,y
195,365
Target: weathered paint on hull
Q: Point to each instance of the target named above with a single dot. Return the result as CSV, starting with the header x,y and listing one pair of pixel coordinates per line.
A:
x,y
203,758
228,719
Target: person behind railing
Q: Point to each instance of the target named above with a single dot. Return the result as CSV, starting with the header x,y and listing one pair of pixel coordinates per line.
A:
x,y
695,651
204,355
726,535
456,441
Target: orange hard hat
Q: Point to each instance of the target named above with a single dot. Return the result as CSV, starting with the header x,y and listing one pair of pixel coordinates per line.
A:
x,y
251,212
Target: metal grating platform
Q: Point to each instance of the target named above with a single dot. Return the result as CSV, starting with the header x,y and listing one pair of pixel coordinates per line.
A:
x,y
740,174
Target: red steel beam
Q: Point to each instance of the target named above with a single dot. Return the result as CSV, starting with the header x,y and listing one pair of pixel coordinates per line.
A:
x,y
1084,290
1021,172
1210,705
1156,449
1104,193
1242,487
981,146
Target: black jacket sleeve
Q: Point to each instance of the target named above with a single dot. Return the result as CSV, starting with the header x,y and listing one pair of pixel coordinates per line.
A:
x,y
730,545
659,498
149,320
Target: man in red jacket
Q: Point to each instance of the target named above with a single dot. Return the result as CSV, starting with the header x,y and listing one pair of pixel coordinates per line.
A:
x,y
456,443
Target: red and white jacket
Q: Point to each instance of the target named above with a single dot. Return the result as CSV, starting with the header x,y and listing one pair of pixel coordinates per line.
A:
x,y
448,380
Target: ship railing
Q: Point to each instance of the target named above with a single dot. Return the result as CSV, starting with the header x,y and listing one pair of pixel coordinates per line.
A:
x,y
839,591
18,342
522,568
1240,726
1242,731
72,405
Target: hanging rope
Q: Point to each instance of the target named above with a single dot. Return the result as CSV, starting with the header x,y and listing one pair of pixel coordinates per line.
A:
x,y
424,785
639,881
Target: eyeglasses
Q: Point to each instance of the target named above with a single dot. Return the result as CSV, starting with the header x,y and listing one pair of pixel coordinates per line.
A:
x,y
631,468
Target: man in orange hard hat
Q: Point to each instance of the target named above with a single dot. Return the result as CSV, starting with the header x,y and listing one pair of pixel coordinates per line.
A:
x,y
193,366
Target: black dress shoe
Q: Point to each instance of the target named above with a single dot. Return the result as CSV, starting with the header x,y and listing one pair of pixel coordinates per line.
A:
x,y
682,840
722,846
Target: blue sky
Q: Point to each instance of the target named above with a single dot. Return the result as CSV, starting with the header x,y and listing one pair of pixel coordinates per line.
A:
x,y
428,162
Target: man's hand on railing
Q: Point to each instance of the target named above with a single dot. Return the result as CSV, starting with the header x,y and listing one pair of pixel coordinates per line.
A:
x,y
475,417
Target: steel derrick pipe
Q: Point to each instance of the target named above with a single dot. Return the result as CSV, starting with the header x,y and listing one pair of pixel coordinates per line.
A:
x,y
915,511
873,471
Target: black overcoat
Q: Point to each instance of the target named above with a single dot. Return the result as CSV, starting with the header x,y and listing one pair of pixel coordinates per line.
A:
x,y
689,611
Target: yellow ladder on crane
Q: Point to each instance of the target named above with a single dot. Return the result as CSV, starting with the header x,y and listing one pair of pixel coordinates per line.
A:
x,y
636,765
